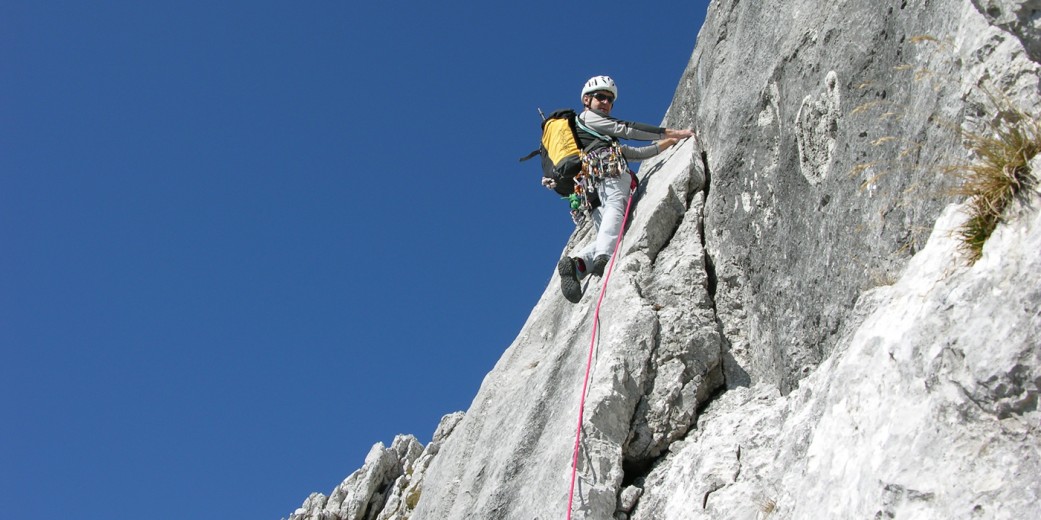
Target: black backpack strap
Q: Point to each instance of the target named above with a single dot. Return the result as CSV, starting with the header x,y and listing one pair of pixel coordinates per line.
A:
x,y
530,155
585,128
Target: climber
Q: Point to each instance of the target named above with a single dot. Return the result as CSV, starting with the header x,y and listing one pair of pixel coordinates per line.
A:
x,y
614,182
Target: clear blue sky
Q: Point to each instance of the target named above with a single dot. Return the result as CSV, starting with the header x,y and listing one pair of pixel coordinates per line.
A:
x,y
240,242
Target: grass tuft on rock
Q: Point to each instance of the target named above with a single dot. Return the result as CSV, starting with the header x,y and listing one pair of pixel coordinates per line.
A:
x,y
998,174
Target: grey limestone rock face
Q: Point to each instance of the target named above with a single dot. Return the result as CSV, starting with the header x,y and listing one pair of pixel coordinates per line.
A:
x,y
929,409
827,127
788,330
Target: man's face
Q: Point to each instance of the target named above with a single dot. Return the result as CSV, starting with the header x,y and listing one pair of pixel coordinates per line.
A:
x,y
602,101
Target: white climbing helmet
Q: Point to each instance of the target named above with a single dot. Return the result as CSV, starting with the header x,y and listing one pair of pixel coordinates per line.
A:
x,y
598,83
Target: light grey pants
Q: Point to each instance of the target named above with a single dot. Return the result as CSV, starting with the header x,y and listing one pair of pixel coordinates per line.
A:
x,y
607,218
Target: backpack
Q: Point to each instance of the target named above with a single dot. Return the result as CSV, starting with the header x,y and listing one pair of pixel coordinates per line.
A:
x,y
560,151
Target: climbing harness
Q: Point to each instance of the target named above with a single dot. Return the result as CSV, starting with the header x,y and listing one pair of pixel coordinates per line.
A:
x,y
592,342
597,165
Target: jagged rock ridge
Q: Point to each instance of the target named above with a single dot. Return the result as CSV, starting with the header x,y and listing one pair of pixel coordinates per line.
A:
x,y
388,485
789,331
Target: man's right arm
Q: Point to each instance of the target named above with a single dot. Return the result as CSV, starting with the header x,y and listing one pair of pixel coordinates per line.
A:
x,y
625,129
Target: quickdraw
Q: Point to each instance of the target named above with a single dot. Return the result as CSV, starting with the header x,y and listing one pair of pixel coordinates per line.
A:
x,y
598,164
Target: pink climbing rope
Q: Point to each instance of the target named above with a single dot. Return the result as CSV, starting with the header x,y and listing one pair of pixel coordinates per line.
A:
x,y
592,345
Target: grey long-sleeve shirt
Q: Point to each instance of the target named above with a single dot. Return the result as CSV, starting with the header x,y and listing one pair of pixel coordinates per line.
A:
x,y
611,127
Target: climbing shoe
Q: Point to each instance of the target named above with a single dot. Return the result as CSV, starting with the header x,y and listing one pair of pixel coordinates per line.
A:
x,y
568,270
599,264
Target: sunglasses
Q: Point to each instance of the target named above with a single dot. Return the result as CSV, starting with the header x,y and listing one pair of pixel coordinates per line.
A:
x,y
600,96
